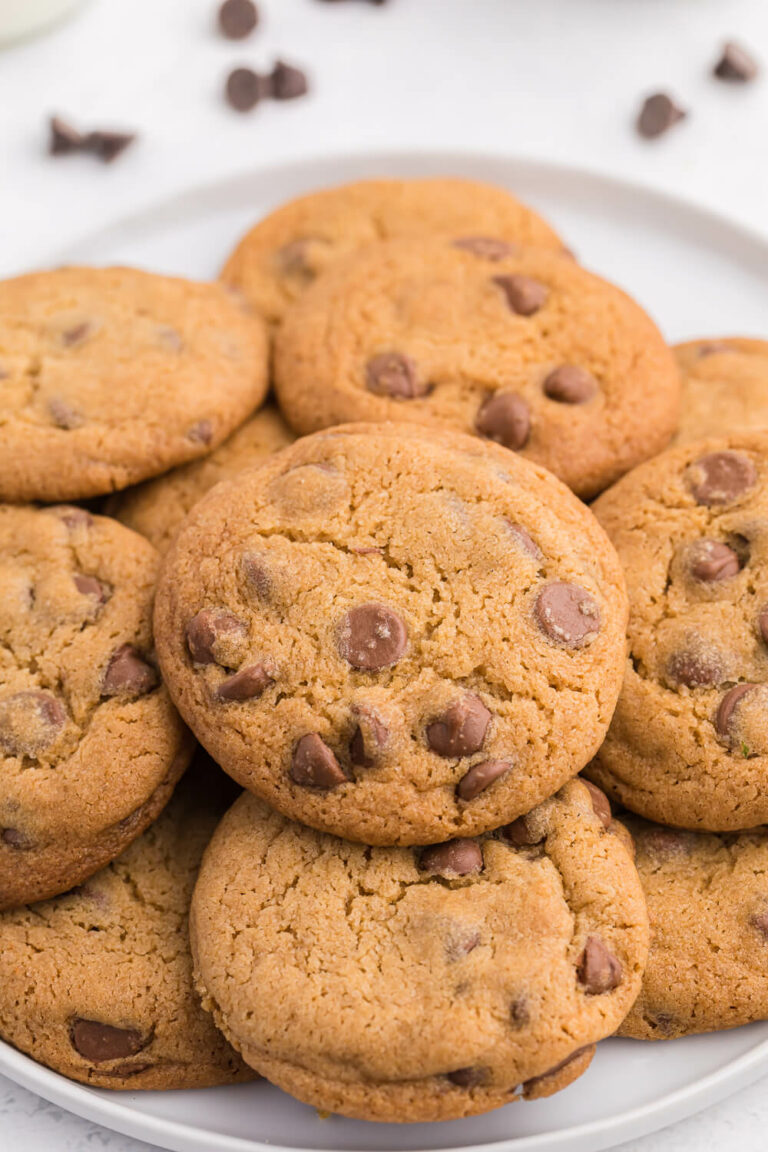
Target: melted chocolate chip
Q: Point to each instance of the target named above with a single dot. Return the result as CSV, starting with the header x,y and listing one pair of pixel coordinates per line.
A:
x,y
395,375
598,969
729,704
77,335
368,739
99,1042
567,614
247,684
30,722
314,765
293,258
519,1012
520,833
506,419
460,941
372,636
711,561
74,517
570,384
525,296
212,633
601,805
721,477
63,415
759,920
461,729
695,668
468,1077
481,776
128,674
92,587
527,544
201,432
454,858
17,839
486,247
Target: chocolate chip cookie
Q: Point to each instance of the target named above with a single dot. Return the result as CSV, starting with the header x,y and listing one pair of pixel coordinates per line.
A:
x,y
419,984
280,257
90,744
708,907
393,634
520,347
157,508
725,386
97,983
688,744
107,377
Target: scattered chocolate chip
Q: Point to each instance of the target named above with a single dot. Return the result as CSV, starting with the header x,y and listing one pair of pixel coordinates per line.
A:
x,y
288,82
201,432
314,765
525,296
395,375
524,540
481,776
721,477
759,920
16,839
245,88
454,858
63,137
658,113
368,739
211,635
30,722
237,18
567,614
460,941
601,805
729,704
711,561
63,415
486,247
736,64
461,729
520,833
108,145
91,586
247,684
570,384
468,1077
598,969
372,636
128,674
506,419
695,668
101,1042
519,1012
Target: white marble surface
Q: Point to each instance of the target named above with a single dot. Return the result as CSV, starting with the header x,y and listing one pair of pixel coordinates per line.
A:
x,y
543,78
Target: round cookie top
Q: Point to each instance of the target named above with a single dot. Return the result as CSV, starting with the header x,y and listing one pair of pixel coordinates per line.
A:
x,y
157,508
97,983
394,634
418,984
688,744
725,386
522,347
708,909
106,378
90,744
280,257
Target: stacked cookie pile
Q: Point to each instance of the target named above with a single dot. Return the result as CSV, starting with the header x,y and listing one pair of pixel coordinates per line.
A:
x,y
404,635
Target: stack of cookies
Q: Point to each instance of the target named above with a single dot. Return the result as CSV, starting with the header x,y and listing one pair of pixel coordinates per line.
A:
x,y
404,635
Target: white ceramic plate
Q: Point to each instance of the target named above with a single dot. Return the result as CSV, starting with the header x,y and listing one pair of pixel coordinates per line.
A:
x,y
699,275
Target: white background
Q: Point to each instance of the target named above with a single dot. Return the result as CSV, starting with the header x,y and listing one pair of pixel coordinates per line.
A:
x,y
552,79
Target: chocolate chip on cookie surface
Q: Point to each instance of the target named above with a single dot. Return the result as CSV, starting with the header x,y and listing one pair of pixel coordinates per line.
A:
x,y
524,348
418,984
106,378
90,744
97,983
708,909
280,257
688,744
157,508
725,386
394,634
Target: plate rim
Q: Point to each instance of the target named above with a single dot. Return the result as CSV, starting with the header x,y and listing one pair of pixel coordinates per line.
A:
x,y
117,1114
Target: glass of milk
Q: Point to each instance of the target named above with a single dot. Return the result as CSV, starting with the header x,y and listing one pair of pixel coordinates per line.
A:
x,y
20,18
